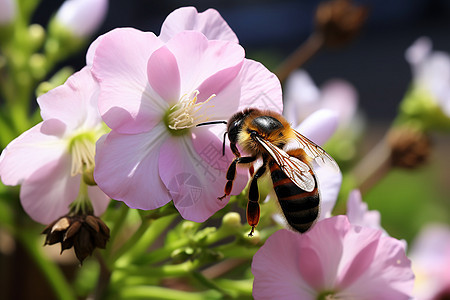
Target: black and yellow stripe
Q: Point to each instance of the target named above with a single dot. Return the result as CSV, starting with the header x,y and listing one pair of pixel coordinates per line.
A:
x,y
300,208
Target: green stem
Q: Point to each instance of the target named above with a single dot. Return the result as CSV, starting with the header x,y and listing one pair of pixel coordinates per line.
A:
x,y
211,284
133,275
244,287
148,235
51,271
117,225
154,292
301,55
373,167
132,241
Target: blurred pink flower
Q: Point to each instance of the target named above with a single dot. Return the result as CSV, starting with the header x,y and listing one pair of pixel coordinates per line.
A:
x,y
303,97
82,17
49,159
154,91
431,71
334,260
430,257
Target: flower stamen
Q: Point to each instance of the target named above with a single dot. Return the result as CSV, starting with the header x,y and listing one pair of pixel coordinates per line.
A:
x,y
82,148
184,115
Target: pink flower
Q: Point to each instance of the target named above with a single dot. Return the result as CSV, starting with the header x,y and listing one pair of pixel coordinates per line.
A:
x,y
49,159
430,256
431,72
303,97
82,17
154,91
334,260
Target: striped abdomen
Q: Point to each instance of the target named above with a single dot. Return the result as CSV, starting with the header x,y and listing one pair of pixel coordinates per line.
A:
x,y
300,208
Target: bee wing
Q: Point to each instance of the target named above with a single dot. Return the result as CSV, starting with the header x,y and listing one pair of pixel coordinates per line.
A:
x,y
316,152
295,169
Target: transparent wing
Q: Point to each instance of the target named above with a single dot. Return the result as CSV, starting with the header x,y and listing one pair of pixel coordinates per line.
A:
x,y
316,152
295,169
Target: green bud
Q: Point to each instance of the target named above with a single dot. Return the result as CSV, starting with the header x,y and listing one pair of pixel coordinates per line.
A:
x,y
38,65
61,41
182,254
188,227
232,220
255,239
36,35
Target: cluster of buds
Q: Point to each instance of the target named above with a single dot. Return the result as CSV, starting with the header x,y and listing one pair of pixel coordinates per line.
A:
x,y
339,21
409,147
82,232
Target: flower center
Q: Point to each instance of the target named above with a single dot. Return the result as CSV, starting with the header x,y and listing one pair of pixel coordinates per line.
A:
x,y
187,113
327,295
82,148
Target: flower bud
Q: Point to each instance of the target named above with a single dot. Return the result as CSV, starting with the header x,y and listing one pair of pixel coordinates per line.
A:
x,y
82,17
409,147
182,254
339,21
36,35
254,239
232,220
37,65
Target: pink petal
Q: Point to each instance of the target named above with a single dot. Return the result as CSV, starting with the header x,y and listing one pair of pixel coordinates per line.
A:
x,y
319,126
341,97
126,168
47,193
28,153
100,200
127,103
254,86
193,184
91,50
358,213
275,267
329,187
324,233
198,59
260,88
209,22
54,127
209,147
419,50
163,74
357,259
74,103
301,97
217,82
389,275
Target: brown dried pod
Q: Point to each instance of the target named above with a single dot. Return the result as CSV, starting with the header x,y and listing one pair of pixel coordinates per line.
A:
x,y
82,232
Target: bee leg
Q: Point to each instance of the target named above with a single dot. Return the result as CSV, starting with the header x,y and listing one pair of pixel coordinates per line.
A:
x,y
253,210
231,173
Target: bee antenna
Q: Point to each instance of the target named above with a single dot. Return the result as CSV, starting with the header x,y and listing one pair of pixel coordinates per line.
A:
x,y
216,122
211,123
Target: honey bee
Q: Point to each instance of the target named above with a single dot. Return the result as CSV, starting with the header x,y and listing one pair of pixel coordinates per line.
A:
x,y
286,155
